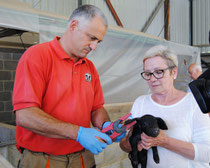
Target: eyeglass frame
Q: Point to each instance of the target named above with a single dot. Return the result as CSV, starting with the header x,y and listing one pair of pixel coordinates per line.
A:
x,y
152,73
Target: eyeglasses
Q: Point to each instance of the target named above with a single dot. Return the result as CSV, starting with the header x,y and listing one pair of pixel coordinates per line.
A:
x,y
158,74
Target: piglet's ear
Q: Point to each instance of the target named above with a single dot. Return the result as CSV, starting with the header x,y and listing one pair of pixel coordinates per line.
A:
x,y
161,123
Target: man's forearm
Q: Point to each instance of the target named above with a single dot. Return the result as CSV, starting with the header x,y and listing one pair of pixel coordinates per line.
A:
x,y
98,117
39,122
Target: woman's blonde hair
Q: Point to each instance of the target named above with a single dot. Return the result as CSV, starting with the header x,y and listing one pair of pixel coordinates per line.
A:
x,y
163,52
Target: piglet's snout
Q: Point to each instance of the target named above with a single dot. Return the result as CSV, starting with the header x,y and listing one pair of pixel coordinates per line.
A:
x,y
155,132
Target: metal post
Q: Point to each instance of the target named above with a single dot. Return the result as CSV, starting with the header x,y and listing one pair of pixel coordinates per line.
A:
x,y
167,19
114,13
154,13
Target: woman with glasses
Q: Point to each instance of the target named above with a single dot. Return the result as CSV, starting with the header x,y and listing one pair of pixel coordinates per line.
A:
x,y
186,143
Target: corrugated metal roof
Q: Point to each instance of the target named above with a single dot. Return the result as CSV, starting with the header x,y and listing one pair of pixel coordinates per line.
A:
x,y
133,14
61,7
201,24
179,21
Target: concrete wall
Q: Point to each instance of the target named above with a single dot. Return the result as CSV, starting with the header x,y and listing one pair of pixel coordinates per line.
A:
x,y
8,62
4,163
111,157
7,145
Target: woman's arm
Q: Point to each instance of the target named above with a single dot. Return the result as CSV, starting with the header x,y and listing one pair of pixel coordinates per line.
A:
x,y
185,149
125,144
201,136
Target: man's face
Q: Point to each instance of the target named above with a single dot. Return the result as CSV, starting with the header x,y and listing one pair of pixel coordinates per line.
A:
x,y
87,36
192,74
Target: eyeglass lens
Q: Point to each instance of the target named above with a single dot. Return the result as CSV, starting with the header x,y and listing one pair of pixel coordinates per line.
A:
x,y
157,74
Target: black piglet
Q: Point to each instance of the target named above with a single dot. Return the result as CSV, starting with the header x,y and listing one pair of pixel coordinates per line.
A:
x,y
150,125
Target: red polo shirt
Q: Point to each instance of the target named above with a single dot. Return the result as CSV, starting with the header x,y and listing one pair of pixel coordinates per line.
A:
x,y
46,77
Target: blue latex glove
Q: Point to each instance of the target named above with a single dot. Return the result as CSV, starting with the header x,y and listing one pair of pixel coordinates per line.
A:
x,y
87,138
118,138
106,124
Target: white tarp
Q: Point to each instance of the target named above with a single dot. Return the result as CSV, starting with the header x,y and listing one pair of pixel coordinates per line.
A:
x,y
18,15
119,63
118,58
19,20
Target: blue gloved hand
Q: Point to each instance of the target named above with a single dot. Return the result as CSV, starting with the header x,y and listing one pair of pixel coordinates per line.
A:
x,y
87,137
118,138
106,124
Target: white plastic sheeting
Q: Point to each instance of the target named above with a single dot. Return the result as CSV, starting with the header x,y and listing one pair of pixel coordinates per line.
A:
x,y
19,20
119,63
20,15
50,27
118,59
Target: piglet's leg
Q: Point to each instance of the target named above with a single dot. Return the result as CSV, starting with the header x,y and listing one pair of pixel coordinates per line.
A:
x,y
134,153
143,158
155,154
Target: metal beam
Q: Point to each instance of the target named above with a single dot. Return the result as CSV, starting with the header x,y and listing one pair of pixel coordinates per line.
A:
x,y
114,13
5,32
201,45
167,19
7,44
154,13
191,22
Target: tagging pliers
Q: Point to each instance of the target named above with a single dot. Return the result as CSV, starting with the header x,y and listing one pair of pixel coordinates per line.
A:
x,y
114,129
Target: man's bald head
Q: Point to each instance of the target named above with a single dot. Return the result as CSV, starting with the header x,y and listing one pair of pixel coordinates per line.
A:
x,y
194,70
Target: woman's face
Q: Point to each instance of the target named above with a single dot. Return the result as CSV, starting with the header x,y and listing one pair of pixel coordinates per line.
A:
x,y
165,84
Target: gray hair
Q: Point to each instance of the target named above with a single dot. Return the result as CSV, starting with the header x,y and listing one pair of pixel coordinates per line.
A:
x,y
86,13
163,52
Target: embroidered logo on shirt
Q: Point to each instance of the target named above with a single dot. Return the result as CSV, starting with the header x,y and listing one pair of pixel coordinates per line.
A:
x,y
88,77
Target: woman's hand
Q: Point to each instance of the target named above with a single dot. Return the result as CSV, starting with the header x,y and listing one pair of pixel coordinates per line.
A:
x,y
139,146
148,142
185,149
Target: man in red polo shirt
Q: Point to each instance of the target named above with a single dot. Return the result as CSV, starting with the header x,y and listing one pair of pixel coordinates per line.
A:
x,y
57,93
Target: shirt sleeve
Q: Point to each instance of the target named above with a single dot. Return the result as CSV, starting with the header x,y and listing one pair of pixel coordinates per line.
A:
x,y
29,81
201,135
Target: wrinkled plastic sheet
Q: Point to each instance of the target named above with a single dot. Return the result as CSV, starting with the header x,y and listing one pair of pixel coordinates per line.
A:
x,y
119,63
10,18
118,58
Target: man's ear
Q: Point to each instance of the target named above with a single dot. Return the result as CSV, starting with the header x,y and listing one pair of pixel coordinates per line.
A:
x,y
73,25
161,123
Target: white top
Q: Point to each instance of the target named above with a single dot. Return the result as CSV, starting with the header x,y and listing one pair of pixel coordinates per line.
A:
x,y
185,122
